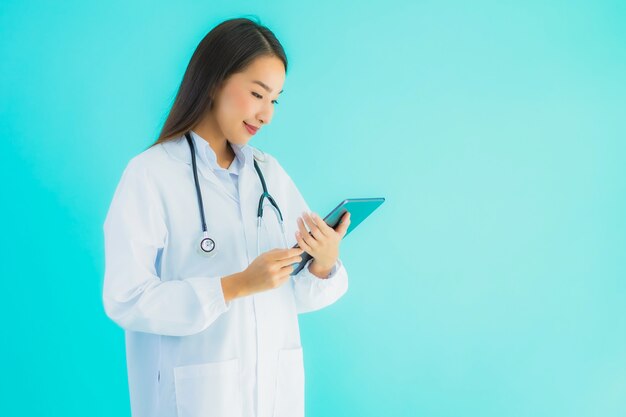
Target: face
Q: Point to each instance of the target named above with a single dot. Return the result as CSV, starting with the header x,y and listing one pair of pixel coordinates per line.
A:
x,y
247,97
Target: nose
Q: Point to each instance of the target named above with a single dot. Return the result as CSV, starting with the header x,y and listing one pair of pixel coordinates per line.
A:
x,y
265,115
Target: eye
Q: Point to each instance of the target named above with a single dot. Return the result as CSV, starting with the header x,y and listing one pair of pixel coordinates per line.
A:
x,y
260,96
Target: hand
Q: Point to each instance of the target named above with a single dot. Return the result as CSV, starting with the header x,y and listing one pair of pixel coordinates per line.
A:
x,y
323,242
269,270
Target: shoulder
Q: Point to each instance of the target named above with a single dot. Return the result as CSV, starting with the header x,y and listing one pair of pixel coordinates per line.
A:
x,y
265,160
151,158
273,169
152,162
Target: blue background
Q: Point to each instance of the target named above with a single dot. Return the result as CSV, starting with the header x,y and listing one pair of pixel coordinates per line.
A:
x,y
490,283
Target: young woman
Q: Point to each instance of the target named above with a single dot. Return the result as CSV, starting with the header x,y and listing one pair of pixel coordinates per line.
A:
x,y
202,286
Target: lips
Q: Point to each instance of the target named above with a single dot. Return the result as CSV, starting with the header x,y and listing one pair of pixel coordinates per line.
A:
x,y
250,128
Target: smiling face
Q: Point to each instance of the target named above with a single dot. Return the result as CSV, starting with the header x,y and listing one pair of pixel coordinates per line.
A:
x,y
245,97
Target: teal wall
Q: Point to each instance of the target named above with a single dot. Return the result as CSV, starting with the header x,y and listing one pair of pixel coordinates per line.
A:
x,y
490,283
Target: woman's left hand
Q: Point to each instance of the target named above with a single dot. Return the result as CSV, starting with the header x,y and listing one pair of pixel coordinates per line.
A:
x,y
323,242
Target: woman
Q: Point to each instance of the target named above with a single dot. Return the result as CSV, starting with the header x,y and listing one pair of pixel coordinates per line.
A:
x,y
210,312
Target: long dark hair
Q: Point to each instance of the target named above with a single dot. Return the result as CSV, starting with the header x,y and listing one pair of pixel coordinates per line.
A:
x,y
227,49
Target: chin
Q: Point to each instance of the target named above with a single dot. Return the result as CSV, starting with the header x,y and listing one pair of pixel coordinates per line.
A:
x,y
240,142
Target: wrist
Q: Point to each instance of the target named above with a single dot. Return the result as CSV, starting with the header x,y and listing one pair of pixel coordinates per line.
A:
x,y
233,286
320,270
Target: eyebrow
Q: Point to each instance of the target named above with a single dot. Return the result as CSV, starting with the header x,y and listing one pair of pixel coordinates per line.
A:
x,y
262,84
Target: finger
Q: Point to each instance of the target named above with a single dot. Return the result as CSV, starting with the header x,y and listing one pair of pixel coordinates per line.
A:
x,y
285,273
311,240
344,224
301,228
303,244
289,261
280,253
315,231
325,229
304,235
287,253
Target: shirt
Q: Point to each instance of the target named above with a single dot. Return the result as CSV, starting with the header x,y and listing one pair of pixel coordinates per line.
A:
x,y
228,177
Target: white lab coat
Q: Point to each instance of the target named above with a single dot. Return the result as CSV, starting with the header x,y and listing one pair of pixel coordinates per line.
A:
x,y
189,353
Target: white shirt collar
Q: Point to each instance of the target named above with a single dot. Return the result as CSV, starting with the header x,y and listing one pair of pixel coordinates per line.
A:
x,y
243,154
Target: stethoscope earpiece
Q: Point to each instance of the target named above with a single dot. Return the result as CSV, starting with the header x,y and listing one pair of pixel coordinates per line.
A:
x,y
258,154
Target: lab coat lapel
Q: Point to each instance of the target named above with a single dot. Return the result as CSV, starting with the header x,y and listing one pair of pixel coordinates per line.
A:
x,y
179,149
250,191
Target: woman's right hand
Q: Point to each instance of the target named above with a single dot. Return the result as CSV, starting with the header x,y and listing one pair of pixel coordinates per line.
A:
x,y
269,270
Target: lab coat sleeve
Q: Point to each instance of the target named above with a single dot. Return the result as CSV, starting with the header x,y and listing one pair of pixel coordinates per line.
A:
x,y
313,293
133,294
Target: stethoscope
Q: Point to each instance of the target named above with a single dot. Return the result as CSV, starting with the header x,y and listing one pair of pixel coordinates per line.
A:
x,y
207,244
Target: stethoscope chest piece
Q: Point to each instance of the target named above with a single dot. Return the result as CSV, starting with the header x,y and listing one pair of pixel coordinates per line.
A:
x,y
207,246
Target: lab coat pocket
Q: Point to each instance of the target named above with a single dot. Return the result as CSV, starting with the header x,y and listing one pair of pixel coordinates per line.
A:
x,y
290,384
208,389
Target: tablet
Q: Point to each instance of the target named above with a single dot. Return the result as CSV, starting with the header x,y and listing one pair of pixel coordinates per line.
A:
x,y
359,208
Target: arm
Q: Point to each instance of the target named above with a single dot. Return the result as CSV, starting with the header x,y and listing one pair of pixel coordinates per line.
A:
x,y
133,294
314,293
315,286
320,271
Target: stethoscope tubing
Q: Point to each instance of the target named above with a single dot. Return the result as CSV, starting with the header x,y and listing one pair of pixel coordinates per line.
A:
x,y
265,195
